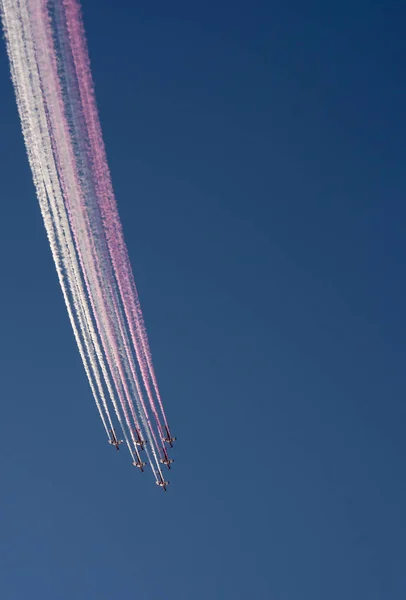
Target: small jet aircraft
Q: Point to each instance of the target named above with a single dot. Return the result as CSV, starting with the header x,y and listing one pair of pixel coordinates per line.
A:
x,y
166,460
114,441
139,441
161,482
139,464
169,439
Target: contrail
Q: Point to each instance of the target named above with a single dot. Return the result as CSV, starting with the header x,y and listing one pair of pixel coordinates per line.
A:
x,y
27,110
40,155
65,166
61,141
53,85
95,148
108,204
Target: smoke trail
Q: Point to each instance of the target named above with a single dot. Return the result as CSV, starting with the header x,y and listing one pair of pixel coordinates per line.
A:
x,y
108,206
65,166
83,235
55,99
33,138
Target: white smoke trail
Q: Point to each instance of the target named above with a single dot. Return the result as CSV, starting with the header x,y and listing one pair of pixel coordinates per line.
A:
x,y
85,266
43,168
65,178
14,41
113,337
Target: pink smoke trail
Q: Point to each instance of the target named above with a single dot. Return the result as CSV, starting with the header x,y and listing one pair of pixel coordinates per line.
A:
x,y
108,277
29,102
60,137
108,206
78,213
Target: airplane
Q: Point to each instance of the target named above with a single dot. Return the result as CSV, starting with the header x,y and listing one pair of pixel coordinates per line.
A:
x,y
139,441
169,439
114,441
166,460
161,482
139,464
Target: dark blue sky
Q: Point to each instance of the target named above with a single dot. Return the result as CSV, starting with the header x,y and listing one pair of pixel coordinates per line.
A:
x,y
257,152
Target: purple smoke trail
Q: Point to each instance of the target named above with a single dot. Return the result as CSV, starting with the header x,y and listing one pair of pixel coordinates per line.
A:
x,y
53,85
60,137
105,271
108,206
90,262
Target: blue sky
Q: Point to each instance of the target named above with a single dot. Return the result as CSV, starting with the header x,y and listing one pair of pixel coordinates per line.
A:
x,y
257,155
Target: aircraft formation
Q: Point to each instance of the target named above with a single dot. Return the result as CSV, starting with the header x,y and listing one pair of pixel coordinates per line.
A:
x,y
140,443
53,84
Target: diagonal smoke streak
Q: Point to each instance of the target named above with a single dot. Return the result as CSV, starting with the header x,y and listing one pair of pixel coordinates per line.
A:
x,y
62,225
45,175
82,232
55,99
111,220
27,109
